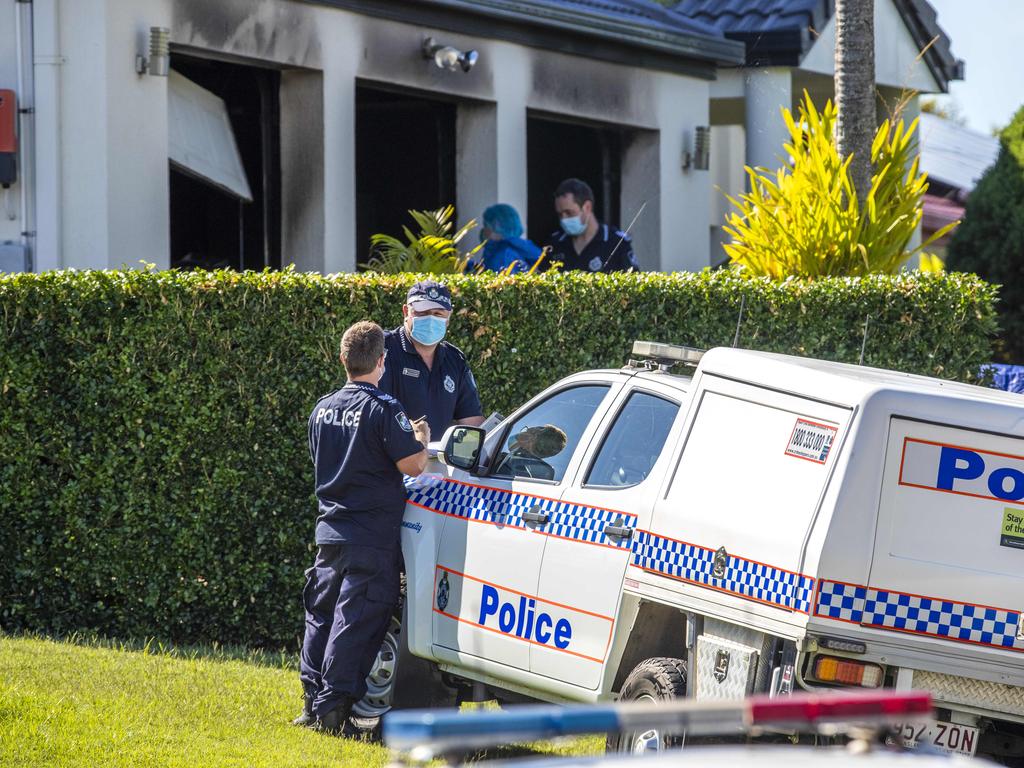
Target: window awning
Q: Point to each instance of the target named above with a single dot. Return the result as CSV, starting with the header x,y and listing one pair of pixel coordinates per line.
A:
x,y
200,140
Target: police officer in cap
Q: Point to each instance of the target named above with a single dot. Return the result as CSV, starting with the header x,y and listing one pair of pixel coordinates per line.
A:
x,y
361,443
428,375
583,242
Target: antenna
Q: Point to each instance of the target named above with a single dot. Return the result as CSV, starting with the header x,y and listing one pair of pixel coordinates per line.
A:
x,y
625,233
739,321
864,341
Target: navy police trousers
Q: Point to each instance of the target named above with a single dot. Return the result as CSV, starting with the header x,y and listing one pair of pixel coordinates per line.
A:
x,y
350,595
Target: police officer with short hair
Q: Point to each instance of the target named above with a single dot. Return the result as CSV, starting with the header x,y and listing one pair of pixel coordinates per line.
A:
x,y
361,443
583,242
428,375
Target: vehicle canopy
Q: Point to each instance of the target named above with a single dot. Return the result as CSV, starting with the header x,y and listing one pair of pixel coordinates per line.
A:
x,y
854,501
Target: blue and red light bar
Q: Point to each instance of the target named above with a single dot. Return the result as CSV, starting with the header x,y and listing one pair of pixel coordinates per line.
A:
x,y
443,730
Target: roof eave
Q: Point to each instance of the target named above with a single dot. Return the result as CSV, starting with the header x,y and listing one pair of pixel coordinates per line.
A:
x,y
531,24
937,56
777,48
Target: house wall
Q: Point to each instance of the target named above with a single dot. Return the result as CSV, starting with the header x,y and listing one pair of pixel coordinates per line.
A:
x,y
106,184
897,58
101,184
11,214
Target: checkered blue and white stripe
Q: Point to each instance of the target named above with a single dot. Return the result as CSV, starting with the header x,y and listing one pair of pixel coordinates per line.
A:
x,y
743,577
575,521
922,615
493,505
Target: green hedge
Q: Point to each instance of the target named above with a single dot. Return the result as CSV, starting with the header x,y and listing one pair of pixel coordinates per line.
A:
x,y
154,478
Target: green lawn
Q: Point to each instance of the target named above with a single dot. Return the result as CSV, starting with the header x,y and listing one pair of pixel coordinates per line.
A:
x,y
96,703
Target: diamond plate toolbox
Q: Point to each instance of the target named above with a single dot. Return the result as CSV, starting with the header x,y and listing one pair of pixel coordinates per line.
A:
x,y
725,670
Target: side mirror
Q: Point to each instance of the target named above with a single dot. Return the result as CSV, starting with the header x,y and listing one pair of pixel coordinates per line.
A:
x,y
461,447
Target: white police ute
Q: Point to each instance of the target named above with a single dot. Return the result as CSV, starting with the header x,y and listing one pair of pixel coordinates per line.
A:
x,y
767,525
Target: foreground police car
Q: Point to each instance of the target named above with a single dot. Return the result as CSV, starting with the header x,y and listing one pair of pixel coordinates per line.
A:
x,y
772,524
858,720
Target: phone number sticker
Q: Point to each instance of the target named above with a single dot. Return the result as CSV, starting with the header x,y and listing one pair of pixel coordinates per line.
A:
x,y
811,440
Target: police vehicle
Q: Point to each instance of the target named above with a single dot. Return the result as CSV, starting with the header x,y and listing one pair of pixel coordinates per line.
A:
x,y
768,524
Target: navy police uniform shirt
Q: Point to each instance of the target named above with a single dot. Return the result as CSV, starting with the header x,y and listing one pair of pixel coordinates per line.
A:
x,y
355,437
444,393
597,256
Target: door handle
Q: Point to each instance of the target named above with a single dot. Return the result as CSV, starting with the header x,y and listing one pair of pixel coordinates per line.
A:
x,y
619,531
534,515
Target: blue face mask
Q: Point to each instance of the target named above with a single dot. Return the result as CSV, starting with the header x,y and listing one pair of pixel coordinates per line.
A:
x,y
428,330
573,225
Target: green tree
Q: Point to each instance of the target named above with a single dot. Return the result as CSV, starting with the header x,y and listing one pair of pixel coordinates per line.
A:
x,y
990,242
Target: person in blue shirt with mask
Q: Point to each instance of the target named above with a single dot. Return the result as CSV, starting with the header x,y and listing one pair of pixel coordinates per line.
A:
x,y
583,242
427,374
505,248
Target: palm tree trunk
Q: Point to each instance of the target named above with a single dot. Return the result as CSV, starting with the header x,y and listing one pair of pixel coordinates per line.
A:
x,y
855,88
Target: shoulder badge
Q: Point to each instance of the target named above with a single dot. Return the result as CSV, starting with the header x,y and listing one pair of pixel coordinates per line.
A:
x,y
403,421
449,384
595,264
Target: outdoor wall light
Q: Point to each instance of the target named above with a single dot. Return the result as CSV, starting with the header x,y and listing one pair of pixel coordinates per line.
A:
x,y
448,57
700,158
159,61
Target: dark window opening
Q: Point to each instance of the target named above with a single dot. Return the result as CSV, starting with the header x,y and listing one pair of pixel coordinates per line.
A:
x,y
405,160
558,150
210,228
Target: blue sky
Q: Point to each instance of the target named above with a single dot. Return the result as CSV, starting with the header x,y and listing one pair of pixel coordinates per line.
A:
x,y
987,34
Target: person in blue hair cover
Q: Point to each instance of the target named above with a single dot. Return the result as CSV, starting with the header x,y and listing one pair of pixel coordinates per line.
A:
x,y
504,244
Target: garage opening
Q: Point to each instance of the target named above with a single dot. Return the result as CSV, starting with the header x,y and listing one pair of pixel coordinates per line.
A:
x,y
405,160
558,149
225,178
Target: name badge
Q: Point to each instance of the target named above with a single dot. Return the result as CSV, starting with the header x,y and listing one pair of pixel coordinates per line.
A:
x,y
410,372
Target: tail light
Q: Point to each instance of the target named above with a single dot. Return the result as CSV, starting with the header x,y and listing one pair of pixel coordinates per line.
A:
x,y
831,669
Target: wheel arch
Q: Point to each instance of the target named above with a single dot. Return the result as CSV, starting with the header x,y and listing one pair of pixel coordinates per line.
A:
x,y
656,630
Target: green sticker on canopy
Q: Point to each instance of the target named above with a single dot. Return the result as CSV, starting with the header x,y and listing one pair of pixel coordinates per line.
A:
x,y
1012,531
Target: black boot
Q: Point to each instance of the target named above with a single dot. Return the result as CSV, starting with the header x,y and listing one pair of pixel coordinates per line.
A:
x,y
307,719
336,721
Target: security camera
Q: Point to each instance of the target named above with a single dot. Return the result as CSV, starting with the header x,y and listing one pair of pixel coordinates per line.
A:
x,y
449,57
468,59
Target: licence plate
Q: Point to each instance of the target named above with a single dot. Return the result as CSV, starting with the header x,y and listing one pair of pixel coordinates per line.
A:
x,y
946,737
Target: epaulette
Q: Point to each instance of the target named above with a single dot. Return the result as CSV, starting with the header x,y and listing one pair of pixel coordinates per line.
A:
x,y
455,349
329,394
381,397
623,235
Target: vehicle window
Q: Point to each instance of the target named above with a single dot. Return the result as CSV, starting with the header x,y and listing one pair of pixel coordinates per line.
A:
x,y
541,442
634,442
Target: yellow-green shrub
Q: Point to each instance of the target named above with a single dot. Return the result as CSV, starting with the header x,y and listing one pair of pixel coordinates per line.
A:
x,y
805,220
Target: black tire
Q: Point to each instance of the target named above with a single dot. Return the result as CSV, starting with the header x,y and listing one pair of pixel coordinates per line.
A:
x,y
653,680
